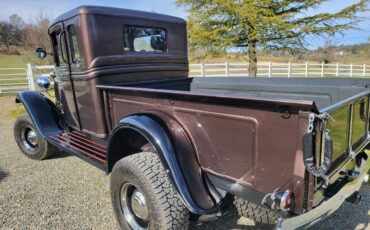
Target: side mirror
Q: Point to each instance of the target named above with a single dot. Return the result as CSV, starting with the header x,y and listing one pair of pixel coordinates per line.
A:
x,y
41,53
52,74
43,83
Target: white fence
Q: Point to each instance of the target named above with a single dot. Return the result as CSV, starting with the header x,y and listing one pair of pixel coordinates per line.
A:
x,y
270,69
13,80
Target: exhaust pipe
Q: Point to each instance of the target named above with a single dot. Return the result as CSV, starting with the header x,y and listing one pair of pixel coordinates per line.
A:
x,y
355,198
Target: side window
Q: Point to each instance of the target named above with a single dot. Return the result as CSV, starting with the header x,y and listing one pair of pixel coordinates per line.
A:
x,y
58,44
75,52
144,39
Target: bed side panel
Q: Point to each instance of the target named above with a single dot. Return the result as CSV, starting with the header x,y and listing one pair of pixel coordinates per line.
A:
x,y
252,147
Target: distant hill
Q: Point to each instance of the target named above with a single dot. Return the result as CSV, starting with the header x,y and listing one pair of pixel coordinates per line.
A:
x,y
353,49
356,54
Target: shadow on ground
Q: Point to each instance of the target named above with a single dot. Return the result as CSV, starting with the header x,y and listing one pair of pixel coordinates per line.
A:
x,y
230,221
3,174
57,155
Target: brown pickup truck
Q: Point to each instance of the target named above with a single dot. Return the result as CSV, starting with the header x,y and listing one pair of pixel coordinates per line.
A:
x,y
282,151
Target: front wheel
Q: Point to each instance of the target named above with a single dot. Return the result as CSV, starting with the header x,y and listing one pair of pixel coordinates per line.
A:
x,y
29,141
143,196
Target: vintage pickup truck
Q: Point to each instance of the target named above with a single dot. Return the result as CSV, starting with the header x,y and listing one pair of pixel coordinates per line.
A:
x,y
282,151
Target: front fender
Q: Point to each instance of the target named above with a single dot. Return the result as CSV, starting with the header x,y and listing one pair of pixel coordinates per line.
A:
x,y
156,135
42,111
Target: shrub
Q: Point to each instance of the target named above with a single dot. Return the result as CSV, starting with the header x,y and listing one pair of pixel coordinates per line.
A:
x,y
10,51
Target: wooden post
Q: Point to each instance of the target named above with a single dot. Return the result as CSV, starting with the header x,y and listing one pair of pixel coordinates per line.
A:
x,y
306,73
31,82
226,68
270,69
289,69
364,71
322,69
351,70
202,69
337,70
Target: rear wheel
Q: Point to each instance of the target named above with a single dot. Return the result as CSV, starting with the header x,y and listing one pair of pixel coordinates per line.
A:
x,y
29,141
143,196
255,212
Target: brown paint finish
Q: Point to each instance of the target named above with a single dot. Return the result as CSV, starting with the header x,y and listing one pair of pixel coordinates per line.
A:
x,y
103,60
245,145
187,160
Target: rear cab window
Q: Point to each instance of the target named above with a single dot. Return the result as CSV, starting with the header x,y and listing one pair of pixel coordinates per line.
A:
x,y
144,39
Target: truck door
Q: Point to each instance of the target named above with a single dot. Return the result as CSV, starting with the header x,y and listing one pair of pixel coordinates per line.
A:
x,y
62,82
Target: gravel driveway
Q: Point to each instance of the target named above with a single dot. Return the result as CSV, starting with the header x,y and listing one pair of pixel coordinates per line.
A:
x,y
67,193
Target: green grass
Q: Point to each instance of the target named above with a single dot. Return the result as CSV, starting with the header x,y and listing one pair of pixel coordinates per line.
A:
x,y
18,111
13,61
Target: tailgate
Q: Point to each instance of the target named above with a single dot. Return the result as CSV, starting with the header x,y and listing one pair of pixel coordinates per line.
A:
x,y
333,147
348,125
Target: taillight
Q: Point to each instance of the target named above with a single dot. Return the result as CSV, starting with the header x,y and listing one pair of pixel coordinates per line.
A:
x,y
283,199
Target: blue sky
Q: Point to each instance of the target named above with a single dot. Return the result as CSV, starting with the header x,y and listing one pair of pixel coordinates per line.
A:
x,y
27,9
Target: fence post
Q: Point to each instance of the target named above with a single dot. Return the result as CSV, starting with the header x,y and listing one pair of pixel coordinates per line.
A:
x,y
270,69
202,69
227,68
31,82
364,70
306,70
289,68
322,69
351,70
337,70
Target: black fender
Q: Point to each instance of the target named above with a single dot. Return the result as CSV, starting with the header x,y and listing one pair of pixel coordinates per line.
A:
x,y
42,112
154,133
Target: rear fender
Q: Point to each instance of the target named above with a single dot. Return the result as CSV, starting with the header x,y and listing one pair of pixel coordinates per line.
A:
x,y
42,111
194,196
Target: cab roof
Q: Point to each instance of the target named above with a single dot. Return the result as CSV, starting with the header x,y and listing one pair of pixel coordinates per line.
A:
x,y
112,11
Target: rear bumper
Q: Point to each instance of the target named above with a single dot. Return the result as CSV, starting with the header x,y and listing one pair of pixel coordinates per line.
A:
x,y
327,207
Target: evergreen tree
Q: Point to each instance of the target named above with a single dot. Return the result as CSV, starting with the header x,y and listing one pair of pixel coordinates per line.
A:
x,y
266,24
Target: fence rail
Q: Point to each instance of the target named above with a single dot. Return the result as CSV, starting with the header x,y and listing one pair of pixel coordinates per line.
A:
x,y
271,69
13,80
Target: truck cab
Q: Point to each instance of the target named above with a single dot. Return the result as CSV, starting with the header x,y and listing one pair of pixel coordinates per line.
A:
x,y
286,152
96,45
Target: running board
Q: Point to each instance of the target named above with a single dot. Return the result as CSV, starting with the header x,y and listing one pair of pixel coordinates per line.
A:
x,y
79,145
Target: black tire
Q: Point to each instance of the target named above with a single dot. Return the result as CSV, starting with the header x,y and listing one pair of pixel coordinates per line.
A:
x,y
255,212
39,151
145,171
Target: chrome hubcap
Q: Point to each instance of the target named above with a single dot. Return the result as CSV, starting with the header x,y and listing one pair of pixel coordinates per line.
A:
x,y
29,138
138,205
134,207
32,137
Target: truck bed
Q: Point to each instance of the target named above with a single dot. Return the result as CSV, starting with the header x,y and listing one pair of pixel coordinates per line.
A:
x,y
323,92
242,127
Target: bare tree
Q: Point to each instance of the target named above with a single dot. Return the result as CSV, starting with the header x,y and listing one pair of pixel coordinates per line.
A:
x,y
326,53
36,33
16,21
11,32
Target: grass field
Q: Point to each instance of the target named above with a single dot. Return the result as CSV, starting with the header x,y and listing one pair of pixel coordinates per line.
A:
x,y
13,61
